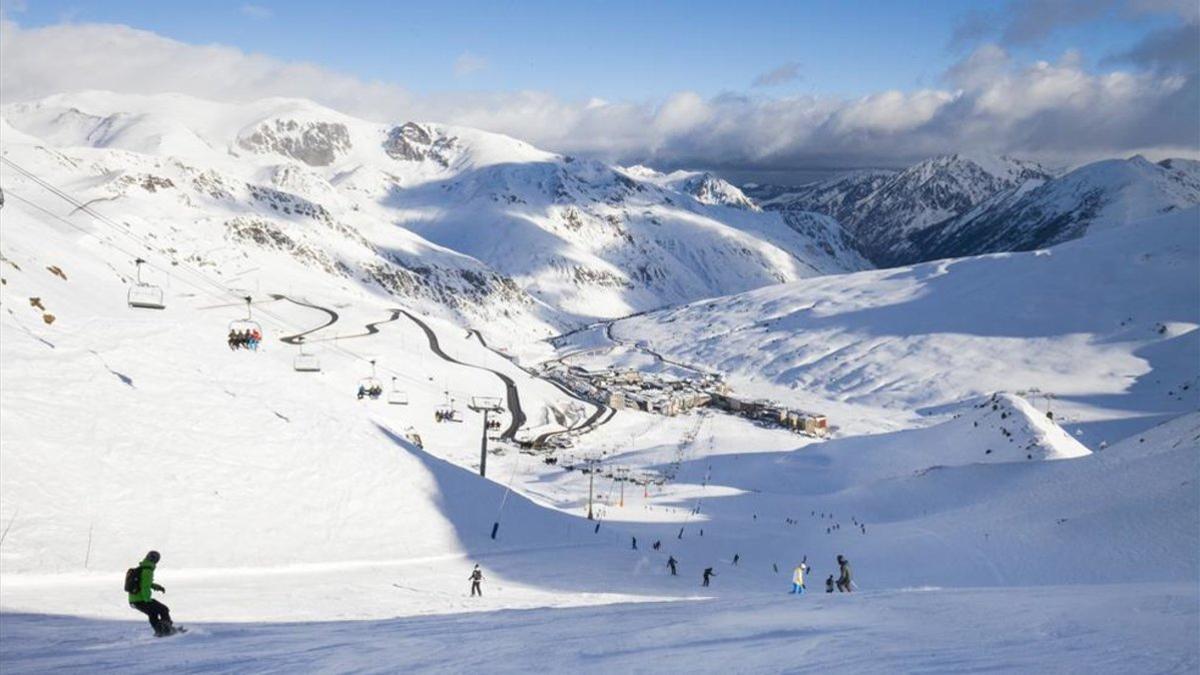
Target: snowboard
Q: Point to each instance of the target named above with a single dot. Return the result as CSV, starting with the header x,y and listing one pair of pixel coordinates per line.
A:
x,y
175,630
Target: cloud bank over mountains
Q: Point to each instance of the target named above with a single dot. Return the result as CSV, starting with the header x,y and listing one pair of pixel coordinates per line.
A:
x,y
1144,100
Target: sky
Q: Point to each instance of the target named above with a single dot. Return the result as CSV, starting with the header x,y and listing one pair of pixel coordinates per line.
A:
x,y
756,90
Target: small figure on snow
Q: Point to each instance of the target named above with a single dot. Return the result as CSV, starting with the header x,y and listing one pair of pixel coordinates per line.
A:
x,y
634,543
798,578
829,584
844,581
672,562
139,584
476,577
657,544
736,558
708,572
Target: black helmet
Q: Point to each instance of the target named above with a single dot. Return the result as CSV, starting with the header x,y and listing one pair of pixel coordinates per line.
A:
x,y
841,559
153,556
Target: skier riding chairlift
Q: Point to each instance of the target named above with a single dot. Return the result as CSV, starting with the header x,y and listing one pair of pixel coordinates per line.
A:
x,y
245,332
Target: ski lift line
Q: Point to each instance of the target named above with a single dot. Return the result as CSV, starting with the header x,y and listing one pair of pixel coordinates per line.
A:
x,y
149,245
120,229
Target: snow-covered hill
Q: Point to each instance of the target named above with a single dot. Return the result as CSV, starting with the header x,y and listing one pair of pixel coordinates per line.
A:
x,y
484,229
1107,324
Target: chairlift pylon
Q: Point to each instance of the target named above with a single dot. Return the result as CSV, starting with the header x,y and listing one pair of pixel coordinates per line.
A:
x,y
143,295
305,363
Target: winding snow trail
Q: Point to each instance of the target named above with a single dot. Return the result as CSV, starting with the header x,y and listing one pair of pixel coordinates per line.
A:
x,y
296,338
510,387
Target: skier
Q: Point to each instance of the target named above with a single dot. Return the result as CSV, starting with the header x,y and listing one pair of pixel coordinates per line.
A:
x,y
672,562
829,584
708,572
736,558
798,578
657,544
476,577
634,543
844,581
139,583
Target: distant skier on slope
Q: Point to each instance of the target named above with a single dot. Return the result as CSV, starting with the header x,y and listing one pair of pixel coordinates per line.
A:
x,y
672,562
736,558
139,584
708,572
844,579
829,584
634,543
798,578
476,577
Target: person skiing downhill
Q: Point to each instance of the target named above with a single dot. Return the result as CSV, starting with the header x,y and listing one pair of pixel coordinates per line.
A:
x,y
672,562
141,600
708,572
476,577
844,580
798,578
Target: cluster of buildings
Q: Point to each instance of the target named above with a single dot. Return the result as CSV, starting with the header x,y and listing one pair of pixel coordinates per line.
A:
x,y
662,395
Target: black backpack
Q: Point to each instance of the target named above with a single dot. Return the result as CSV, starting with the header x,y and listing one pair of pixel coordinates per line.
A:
x,y
133,580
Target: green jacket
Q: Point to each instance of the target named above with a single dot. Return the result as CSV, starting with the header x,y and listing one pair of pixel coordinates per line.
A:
x,y
146,588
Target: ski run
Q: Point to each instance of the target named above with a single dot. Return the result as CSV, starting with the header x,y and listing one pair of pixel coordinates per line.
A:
x,y
284,402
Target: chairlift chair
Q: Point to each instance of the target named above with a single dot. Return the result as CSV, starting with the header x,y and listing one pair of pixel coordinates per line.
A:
x,y
447,412
370,384
397,396
248,323
305,363
143,295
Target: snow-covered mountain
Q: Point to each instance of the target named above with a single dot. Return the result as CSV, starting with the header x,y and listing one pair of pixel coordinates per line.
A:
x,y
884,209
963,205
490,229
1091,198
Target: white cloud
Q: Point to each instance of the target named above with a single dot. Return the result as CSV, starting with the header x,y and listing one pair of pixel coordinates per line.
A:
x,y
469,64
256,11
991,103
788,72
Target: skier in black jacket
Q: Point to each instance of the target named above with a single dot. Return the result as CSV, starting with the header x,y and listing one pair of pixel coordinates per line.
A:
x,y
476,577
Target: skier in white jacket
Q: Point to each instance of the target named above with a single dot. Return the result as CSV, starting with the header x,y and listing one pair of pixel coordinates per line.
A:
x,y
798,578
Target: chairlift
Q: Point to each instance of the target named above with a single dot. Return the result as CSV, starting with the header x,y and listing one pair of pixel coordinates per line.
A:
x,y
305,363
143,295
447,412
248,323
397,396
245,333
370,387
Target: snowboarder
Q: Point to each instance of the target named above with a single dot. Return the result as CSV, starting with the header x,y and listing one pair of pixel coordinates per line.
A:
x,y
476,577
798,578
672,562
708,572
139,583
829,584
736,558
634,543
844,580
657,544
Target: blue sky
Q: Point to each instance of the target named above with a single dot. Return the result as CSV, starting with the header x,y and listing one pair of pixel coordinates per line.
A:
x,y
620,51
